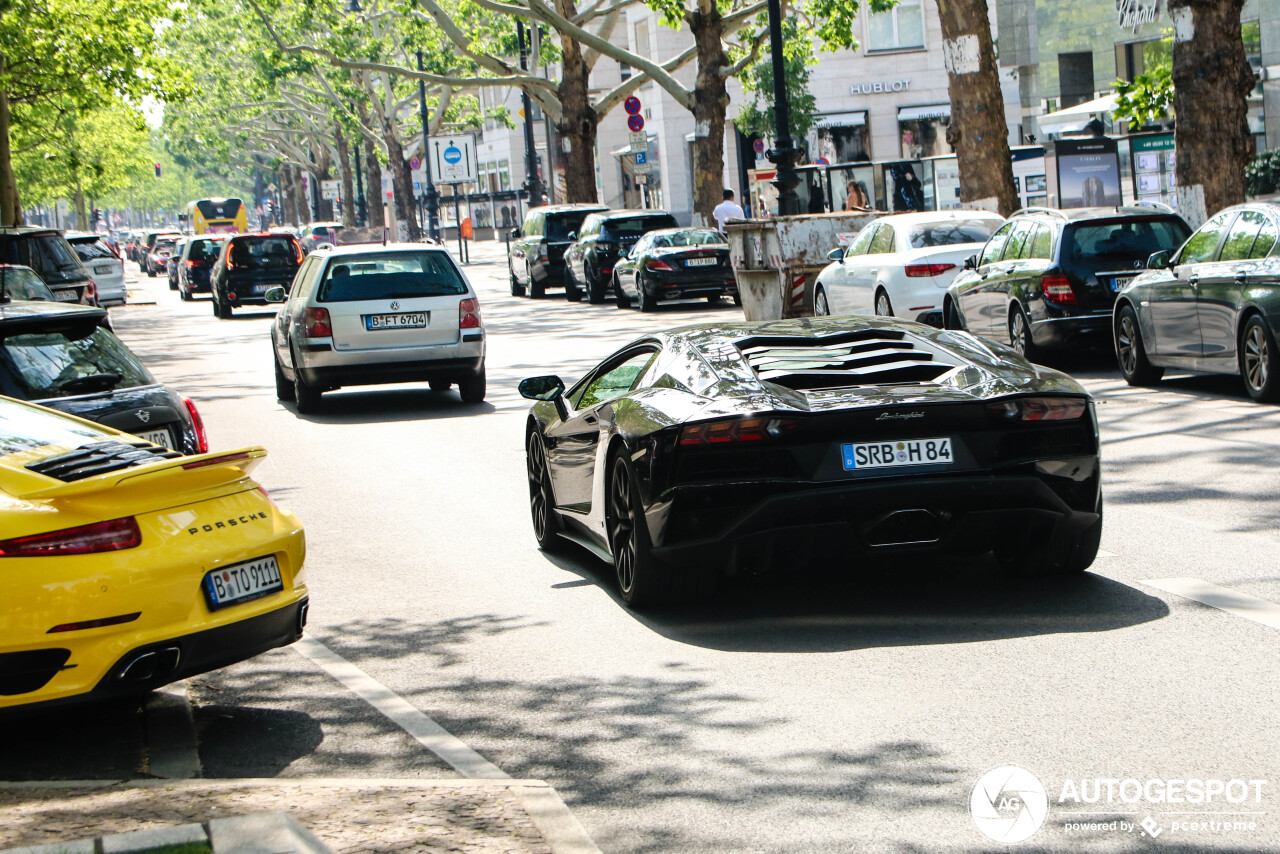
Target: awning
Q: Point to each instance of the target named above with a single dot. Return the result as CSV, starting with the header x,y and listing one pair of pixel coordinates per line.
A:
x,y
841,120
1074,119
936,111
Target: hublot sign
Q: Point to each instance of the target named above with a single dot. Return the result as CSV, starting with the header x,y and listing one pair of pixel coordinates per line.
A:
x,y
880,87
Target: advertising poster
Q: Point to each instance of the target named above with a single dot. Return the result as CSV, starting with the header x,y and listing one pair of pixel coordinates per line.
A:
x,y
1088,173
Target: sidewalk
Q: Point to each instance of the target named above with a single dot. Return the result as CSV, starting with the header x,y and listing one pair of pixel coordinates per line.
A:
x,y
350,816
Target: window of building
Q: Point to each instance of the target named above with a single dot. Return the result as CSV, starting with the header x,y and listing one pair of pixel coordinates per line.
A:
x,y
1075,78
641,43
902,27
842,138
624,71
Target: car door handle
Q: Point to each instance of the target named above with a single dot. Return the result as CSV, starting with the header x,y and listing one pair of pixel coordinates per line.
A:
x,y
1193,280
589,418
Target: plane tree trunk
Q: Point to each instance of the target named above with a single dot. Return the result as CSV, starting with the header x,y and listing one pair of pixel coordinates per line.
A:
x,y
710,105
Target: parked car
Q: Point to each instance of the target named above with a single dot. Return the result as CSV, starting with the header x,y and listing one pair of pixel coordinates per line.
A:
x,y
195,262
316,234
674,263
48,253
22,283
158,256
589,260
902,265
372,314
103,263
1049,278
536,261
250,265
735,447
1213,305
175,261
127,566
60,356
148,243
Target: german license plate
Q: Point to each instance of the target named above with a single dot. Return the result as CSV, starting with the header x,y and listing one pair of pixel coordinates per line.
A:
x,y
417,320
904,452
158,437
701,262
242,582
1119,283
65,296
103,271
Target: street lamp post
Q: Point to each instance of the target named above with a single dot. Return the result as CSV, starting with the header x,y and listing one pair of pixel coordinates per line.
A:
x,y
784,151
532,184
430,197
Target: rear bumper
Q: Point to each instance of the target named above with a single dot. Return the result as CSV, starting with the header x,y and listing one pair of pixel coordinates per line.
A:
x,y
385,373
870,519
679,286
1083,330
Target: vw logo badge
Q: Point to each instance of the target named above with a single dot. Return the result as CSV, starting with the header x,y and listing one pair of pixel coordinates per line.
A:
x,y
395,306
143,415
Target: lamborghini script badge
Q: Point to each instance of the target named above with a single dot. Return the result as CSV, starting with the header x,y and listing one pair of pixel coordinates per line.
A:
x,y
898,416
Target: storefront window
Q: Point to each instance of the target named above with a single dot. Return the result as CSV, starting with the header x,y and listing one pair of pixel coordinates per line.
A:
x,y
843,139
853,188
901,27
924,135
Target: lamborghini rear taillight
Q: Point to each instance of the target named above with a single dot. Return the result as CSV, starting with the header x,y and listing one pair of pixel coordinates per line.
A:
x,y
729,430
111,536
1040,408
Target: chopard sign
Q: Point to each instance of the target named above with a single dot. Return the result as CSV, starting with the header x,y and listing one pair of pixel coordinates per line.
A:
x,y
898,416
1132,14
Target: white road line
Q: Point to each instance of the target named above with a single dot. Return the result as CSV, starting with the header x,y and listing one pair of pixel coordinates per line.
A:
x,y
428,733
1223,598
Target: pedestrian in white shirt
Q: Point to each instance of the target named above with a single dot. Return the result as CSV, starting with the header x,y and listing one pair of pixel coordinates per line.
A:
x,y
727,208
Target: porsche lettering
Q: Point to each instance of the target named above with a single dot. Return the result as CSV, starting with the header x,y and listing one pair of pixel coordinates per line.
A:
x,y
228,523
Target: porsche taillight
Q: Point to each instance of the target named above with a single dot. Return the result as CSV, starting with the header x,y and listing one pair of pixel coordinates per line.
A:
x,y
197,423
1039,408
110,536
735,430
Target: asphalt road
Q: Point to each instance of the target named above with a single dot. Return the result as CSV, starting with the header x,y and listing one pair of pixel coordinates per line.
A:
x,y
854,714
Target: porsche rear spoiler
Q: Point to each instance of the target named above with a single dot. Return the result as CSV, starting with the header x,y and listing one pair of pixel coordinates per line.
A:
x,y
203,471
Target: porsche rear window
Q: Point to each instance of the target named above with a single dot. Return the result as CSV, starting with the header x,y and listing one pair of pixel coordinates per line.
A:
x,y
25,428
394,275
43,365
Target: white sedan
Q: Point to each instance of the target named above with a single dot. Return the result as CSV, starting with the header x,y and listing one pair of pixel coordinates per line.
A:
x,y
902,265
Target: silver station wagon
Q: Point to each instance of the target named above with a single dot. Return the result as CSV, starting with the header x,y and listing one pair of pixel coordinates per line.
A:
x,y
375,314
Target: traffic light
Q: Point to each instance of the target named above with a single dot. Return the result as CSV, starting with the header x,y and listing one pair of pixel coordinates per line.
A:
x,y
97,216
157,170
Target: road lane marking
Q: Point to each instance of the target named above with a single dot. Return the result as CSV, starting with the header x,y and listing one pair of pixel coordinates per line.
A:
x,y
172,751
400,711
1223,598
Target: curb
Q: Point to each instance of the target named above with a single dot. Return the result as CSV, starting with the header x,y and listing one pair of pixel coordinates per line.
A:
x,y
561,831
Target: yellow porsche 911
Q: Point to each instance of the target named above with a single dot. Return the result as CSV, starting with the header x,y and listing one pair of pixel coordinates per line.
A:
x,y
125,566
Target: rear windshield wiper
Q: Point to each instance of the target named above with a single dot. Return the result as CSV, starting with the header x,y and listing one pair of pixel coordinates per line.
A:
x,y
91,383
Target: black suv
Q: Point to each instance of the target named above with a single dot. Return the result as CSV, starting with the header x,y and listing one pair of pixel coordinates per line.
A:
x,y
249,265
1049,278
589,261
194,264
537,246
48,253
60,356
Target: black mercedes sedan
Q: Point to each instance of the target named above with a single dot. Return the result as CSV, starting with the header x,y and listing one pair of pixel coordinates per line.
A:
x,y
675,263
1212,305
742,447
602,240
59,356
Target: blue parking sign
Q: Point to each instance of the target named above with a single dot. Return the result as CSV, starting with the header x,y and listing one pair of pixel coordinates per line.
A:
x,y
641,157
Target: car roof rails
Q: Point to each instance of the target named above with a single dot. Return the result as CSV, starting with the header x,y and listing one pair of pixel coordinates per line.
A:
x,y
1150,203
1041,210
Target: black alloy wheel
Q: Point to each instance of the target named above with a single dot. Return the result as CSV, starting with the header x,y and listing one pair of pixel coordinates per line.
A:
x,y
620,298
1065,554
1131,355
284,388
1020,335
884,308
820,306
306,396
645,300
1258,361
471,388
951,317
517,289
595,287
737,297
173,283
440,385
572,292
184,294
541,499
151,271
637,571
537,290
714,299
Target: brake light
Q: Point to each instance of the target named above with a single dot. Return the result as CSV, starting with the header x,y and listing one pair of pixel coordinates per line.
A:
x,y
753,429
91,289
316,323
191,264
297,249
217,461
919,270
202,438
112,536
469,314
1040,408
657,264
1057,289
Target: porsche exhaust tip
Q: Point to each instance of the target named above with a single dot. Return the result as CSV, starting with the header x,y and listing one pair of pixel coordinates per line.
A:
x,y
151,665
901,528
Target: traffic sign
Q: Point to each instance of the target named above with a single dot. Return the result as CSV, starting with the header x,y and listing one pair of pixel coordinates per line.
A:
x,y
636,123
453,159
631,105
415,163
329,189
642,157
758,145
639,141
821,161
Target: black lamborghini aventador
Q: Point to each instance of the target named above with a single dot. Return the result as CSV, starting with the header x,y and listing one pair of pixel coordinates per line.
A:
x,y
720,448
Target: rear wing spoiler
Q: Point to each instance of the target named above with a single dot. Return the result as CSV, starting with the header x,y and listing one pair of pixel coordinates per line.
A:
x,y
202,470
